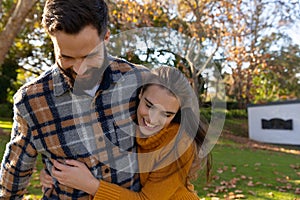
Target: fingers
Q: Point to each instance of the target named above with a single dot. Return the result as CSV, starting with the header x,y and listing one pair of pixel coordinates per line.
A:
x,y
62,171
59,166
74,163
46,179
58,170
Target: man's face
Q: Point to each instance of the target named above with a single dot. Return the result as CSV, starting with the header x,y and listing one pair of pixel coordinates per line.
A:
x,y
81,56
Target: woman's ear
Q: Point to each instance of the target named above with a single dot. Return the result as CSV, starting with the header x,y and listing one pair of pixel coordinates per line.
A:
x,y
141,94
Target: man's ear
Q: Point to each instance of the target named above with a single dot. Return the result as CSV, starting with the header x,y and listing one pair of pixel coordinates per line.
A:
x,y
107,36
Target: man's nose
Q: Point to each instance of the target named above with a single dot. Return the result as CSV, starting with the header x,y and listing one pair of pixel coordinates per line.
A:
x,y
79,67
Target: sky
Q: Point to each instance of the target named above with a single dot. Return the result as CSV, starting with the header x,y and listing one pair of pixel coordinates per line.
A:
x,y
294,32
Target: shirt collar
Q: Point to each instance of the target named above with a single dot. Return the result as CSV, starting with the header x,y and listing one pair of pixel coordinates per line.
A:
x,y
62,83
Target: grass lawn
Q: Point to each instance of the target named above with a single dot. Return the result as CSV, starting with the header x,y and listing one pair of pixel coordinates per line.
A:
x,y
239,171
5,124
34,188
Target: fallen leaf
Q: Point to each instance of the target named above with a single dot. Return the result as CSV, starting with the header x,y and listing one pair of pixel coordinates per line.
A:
x,y
243,177
271,194
233,169
258,183
281,190
238,191
250,184
297,166
252,192
276,173
211,195
289,186
257,164
240,196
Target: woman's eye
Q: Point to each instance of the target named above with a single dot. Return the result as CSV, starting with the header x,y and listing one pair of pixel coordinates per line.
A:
x,y
148,105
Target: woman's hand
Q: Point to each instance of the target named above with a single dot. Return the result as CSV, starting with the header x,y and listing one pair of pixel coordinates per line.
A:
x,y
46,180
76,175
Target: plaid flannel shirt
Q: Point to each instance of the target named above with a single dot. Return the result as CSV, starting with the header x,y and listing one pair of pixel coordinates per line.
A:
x,y
51,120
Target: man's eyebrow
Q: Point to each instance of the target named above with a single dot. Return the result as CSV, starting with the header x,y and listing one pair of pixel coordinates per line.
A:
x,y
92,53
88,55
65,56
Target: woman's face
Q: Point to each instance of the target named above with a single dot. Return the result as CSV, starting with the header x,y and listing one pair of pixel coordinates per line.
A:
x,y
156,109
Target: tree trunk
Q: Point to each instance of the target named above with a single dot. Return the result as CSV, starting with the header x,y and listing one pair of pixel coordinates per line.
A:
x,y
13,26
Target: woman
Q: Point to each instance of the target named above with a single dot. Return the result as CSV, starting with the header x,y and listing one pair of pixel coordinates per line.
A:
x,y
169,139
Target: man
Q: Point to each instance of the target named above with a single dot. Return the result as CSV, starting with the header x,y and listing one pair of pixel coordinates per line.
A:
x,y
69,111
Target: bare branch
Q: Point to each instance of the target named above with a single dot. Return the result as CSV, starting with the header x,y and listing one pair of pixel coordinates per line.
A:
x,y
208,60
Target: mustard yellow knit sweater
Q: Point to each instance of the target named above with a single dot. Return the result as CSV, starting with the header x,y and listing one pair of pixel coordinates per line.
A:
x,y
166,180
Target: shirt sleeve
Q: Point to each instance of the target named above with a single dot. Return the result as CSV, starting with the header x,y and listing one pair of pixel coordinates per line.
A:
x,y
160,184
18,160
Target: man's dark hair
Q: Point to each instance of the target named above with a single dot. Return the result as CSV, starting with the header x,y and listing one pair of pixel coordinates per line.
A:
x,y
71,16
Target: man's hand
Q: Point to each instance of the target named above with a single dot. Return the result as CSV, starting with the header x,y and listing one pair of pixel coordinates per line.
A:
x,y
76,175
46,180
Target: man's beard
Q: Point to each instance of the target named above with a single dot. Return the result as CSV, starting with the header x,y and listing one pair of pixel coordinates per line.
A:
x,y
93,76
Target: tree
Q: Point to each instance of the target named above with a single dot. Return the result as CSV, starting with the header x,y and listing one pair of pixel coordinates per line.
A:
x,y
199,33
277,77
12,16
236,28
29,49
178,39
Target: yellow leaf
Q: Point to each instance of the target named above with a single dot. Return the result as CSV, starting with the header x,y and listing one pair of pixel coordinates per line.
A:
x,y
36,25
19,45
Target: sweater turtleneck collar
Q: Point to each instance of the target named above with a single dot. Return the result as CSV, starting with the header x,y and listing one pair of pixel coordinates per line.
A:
x,y
159,139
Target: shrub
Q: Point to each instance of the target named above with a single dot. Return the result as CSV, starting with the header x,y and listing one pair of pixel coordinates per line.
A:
x,y
6,110
237,113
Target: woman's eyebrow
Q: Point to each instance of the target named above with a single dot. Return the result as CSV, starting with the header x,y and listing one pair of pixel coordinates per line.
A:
x,y
148,101
166,112
170,113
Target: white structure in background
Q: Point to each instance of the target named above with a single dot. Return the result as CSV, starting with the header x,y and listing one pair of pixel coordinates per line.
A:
x,y
277,122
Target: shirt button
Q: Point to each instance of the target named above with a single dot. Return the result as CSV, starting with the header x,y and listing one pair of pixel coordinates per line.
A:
x,y
106,170
100,139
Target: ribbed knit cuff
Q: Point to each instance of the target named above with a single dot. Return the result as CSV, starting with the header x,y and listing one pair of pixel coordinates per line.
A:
x,y
185,196
107,191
